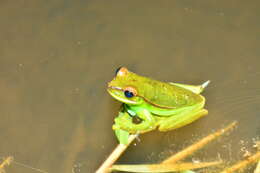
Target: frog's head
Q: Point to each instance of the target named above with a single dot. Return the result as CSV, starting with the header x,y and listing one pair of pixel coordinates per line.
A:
x,y
124,87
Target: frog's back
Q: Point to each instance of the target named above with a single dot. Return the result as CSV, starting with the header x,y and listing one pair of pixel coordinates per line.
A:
x,y
165,95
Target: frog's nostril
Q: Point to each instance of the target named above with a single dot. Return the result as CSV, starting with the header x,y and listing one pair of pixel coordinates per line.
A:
x,y
121,71
117,70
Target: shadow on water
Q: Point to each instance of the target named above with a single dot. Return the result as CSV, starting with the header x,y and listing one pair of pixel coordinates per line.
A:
x,y
57,56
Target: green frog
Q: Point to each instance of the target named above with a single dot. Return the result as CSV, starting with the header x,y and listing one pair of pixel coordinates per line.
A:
x,y
149,104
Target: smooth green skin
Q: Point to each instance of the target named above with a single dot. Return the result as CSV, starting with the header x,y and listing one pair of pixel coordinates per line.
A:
x,y
161,105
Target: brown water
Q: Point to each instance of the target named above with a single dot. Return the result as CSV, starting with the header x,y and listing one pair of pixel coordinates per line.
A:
x,y
56,57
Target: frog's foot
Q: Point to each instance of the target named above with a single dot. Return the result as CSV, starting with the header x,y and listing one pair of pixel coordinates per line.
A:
x,y
125,122
205,84
182,119
197,89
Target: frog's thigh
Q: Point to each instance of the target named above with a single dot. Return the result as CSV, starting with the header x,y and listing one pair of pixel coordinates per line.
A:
x,y
181,119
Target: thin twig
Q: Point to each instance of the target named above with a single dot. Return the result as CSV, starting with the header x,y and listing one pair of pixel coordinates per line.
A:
x,y
112,158
29,167
191,149
7,161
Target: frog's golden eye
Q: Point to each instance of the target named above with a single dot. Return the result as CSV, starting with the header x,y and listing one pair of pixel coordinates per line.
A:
x,y
130,92
121,71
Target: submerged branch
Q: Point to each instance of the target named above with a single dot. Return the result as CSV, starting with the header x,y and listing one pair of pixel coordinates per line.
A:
x,y
159,168
170,165
242,164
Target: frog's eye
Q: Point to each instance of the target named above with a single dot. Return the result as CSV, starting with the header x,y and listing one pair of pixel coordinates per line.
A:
x,y
121,71
130,92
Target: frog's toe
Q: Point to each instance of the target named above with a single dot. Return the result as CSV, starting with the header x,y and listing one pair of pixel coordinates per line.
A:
x,y
205,84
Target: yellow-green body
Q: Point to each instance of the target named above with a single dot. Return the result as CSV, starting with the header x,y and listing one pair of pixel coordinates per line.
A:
x,y
157,104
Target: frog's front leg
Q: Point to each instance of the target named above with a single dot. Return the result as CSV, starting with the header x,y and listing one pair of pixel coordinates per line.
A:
x,y
181,119
125,122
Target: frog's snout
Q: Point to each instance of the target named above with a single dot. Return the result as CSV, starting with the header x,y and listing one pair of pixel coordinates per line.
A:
x,y
109,90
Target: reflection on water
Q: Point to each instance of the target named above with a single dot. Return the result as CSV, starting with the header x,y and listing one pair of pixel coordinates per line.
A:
x,y
56,57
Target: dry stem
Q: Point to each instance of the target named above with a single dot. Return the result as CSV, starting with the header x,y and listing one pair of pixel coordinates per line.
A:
x,y
112,158
257,169
189,150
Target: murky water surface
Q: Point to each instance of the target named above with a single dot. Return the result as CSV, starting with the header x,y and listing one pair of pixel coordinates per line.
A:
x,y
57,56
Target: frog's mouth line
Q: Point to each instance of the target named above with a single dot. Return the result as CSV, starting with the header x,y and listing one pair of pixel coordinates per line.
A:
x,y
118,97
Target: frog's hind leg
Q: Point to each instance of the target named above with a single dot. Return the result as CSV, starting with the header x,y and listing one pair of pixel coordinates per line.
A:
x,y
197,89
181,119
